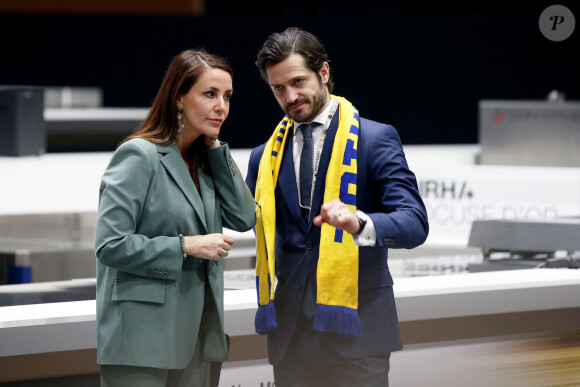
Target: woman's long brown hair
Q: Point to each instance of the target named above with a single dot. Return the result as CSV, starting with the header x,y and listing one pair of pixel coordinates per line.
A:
x,y
160,126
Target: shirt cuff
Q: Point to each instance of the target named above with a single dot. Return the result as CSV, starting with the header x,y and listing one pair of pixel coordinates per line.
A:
x,y
368,235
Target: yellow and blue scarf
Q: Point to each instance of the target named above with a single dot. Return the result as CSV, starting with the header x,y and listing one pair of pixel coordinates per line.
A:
x,y
337,272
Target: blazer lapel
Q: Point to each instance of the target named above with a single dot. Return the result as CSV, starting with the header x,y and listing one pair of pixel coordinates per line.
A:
x,y
175,166
323,168
208,198
287,183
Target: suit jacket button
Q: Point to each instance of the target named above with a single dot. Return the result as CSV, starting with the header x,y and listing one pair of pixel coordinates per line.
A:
x,y
300,285
309,246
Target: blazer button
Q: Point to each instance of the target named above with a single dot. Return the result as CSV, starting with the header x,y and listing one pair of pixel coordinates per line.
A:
x,y
388,242
309,246
300,285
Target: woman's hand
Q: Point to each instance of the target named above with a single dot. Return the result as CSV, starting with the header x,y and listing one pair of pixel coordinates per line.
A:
x,y
212,142
210,246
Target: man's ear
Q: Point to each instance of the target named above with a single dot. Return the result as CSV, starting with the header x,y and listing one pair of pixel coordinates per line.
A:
x,y
324,73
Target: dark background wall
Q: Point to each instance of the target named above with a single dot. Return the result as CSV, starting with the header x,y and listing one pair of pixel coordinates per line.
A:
x,y
420,67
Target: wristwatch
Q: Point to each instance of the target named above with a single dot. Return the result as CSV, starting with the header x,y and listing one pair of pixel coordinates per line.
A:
x,y
362,221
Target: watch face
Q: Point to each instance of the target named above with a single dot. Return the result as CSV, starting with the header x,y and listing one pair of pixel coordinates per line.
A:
x,y
362,220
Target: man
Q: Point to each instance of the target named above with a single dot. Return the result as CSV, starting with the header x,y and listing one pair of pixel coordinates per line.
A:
x,y
333,193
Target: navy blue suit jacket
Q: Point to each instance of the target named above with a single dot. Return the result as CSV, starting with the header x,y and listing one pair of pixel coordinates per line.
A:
x,y
386,191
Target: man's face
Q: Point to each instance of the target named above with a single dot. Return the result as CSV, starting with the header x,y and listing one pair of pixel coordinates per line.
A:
x,y
301,93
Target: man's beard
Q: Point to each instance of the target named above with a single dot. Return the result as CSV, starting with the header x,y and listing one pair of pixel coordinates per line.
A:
x,y
317,103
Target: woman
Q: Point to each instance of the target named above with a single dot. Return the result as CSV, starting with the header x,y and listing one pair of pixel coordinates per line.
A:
x,y
167,192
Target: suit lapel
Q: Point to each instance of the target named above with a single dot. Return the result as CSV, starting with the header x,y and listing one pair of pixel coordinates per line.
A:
x,y
287,183
175,166
323,168
208,198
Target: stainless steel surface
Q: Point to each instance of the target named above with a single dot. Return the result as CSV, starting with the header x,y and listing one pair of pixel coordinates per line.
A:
x,y
55,246
526,235
533,133
61,246
48,292
90,129
526,244
93,120
57,227
73,97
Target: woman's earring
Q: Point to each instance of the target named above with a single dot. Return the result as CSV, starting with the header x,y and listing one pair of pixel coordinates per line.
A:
x,y
179,124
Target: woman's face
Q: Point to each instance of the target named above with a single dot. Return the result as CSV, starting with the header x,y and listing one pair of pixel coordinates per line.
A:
x,y
207,104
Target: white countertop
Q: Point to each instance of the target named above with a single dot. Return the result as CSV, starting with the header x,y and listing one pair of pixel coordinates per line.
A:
x,y
494,292
65,326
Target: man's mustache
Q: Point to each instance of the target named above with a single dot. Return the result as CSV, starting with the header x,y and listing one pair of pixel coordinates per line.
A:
x,y
296,103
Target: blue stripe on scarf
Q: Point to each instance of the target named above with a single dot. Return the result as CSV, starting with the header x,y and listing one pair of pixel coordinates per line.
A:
x,y
265,321
337,319
338,235
349,153
346,197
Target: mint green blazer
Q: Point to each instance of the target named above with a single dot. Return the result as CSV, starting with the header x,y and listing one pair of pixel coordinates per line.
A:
x,y
152,305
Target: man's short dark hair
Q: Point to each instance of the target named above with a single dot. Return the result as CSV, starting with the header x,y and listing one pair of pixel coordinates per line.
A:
x,y
281,45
